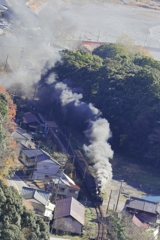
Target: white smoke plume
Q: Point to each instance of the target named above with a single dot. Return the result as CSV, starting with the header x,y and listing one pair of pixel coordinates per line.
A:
x,y
29,42
98,151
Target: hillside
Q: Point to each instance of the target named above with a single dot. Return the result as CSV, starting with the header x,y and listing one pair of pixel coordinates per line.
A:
x,y
125,86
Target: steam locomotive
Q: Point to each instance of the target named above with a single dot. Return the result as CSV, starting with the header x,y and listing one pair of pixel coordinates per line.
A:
x,y
90,183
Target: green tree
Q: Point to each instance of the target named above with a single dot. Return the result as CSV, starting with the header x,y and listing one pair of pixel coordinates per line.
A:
x,y
124,85
16,222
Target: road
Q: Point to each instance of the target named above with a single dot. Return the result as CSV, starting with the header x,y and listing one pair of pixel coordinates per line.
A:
x,y
53,238
17,183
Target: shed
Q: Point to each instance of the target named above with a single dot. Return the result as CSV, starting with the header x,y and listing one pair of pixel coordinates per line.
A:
x,y
69,215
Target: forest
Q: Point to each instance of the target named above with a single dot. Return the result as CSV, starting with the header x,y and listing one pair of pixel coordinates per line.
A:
x,y
125,86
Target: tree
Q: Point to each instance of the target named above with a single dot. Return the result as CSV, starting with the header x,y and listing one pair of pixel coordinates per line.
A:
x,y
16,222
122,83
8,159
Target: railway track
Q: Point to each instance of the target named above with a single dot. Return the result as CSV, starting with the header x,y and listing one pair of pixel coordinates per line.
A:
x,y
101,229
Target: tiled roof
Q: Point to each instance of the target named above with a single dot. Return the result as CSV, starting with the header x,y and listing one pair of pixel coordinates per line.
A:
x,y
69,207
142,205
39,195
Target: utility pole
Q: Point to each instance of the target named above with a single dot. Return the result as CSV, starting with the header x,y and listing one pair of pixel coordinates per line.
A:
x,y
57,188
22,51
119,195
109,201
98,36
69,141
6,62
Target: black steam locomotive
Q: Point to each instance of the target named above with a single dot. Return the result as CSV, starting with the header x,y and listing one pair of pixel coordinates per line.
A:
x,y
87,178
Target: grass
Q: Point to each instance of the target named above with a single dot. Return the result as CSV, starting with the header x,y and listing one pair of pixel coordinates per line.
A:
x,y
140,175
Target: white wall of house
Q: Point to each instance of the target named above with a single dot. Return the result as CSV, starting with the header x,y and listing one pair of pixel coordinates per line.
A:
x,y
45,168
37,206
67,191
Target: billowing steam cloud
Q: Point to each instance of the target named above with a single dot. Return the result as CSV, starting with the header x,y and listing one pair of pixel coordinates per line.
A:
x,y
99,151
98,131
29,41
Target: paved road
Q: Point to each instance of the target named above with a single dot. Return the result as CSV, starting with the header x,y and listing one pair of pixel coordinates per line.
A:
x,y
17,183
52,238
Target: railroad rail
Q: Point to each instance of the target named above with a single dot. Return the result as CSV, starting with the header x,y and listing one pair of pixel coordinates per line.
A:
x,y
101,229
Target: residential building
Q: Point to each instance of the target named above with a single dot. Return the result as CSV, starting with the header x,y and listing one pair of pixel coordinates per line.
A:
x,y
23,140
69,215
144,214
30,158
39,165
47,168
64,187
30,121
40,201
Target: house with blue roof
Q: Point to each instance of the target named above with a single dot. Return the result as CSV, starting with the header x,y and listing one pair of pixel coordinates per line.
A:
x,y
40,201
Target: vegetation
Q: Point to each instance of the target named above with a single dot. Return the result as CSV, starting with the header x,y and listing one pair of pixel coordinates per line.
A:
x,y
125,86
8,159
123,229
16,222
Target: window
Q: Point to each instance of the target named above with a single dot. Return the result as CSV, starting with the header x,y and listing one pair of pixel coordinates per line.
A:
x,y
72,191
61,189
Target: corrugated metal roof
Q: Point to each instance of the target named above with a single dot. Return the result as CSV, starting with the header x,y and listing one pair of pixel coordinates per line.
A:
x,y
39,154
142,204
70,207
39,195
152,198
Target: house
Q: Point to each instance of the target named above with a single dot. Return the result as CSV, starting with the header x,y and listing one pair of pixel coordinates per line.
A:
x,y
145,209
65,187
30,121
144,214
30,157
23,140
69,215
38,164
45,168
40,201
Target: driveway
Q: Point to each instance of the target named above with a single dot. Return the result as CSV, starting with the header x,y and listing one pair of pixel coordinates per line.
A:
x,y
17,183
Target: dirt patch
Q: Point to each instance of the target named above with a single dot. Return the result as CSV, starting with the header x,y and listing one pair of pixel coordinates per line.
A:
x,y
131,180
